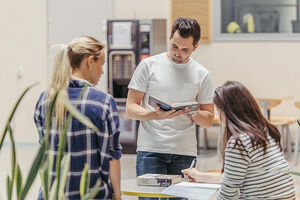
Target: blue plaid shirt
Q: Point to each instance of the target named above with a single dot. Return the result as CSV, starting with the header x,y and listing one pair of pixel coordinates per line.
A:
x,y
85,145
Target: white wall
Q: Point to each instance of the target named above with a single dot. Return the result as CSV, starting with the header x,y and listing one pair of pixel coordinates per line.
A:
x,y
268,69
141,9
23,45
28,30
68,19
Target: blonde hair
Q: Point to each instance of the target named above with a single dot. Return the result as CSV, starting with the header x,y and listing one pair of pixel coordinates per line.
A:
x,y
69,57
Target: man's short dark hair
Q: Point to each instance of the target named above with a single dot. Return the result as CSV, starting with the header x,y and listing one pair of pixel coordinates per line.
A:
x,y
187,27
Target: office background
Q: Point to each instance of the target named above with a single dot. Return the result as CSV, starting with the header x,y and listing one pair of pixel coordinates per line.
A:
x,y
29,29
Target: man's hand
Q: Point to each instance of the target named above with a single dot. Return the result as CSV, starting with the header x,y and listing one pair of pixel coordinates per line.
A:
x,y
135,111
160,114
205,115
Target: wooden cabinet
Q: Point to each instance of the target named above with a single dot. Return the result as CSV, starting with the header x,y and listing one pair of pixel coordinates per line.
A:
x,y
197,9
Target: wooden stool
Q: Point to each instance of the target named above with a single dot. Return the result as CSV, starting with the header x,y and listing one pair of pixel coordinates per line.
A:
x,y
266,104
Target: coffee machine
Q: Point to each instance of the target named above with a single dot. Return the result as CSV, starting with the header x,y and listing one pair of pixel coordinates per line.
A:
x,y
128,42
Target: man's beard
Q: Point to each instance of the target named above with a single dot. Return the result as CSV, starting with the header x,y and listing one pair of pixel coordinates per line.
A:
x,y
179,61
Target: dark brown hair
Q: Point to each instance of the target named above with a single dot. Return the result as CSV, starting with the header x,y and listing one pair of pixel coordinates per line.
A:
x,y
187,27
243,115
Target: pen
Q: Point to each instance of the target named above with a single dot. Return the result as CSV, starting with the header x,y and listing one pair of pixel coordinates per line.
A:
x,y
191,166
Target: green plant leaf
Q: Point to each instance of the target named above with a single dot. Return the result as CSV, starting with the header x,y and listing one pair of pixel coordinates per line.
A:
x,y
18,179
93,192
49,117
13,155
65,165
53,190
9,187
50,159
44,174
13,148
12,113
62,143
84,181
61,147
33,171
79,116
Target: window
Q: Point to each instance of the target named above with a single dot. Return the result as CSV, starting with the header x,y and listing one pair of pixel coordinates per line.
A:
x,y
257,19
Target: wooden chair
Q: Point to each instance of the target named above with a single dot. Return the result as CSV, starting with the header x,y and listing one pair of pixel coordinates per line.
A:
x,y
297,104
266,104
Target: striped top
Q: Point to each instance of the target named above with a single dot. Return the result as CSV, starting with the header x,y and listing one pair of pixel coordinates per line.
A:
x,y
249,173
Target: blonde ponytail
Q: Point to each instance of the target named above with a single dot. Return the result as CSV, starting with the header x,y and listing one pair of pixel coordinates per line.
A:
x,y
69,57
59,81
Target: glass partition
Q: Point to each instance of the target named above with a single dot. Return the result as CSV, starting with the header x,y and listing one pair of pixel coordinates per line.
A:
x,y
257,19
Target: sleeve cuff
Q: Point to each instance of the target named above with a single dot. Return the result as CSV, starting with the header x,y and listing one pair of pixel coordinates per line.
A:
x,y
116,155
137,88
205,101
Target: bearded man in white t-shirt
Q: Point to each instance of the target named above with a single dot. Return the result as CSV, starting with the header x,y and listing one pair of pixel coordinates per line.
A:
x,y
167,139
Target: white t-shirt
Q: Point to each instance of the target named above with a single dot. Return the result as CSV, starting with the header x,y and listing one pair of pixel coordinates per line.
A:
x,y
165,79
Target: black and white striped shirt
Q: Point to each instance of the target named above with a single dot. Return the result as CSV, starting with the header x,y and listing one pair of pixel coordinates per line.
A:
x,y
251,173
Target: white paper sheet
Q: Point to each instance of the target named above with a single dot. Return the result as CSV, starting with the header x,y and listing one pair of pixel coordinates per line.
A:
x,y
192,190
121,34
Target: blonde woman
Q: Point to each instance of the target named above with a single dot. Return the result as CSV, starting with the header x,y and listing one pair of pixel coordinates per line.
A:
x,y
76,65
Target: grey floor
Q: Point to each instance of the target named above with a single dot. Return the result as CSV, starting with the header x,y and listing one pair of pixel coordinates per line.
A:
x,y
206,160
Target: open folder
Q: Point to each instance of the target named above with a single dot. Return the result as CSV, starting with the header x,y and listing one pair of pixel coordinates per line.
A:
x,y
166,105
191,190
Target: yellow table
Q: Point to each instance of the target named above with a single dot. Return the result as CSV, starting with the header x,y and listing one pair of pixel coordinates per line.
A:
x,y
129,187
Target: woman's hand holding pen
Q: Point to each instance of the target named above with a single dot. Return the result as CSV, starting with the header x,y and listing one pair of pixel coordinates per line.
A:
x,y
191,174
205,177
160,114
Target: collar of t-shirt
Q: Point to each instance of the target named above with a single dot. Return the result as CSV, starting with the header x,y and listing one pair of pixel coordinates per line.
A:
x,y
177,65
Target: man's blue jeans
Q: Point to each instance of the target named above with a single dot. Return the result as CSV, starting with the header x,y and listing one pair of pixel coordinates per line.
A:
x,y
160,163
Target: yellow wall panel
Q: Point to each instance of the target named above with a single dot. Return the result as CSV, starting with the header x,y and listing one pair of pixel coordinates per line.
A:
x,y
197,9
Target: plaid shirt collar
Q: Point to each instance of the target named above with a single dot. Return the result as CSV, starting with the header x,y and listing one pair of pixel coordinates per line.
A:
x,y
78,82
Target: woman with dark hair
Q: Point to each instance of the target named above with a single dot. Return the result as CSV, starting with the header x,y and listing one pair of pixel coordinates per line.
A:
x,y
254,166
